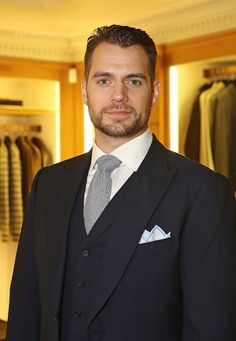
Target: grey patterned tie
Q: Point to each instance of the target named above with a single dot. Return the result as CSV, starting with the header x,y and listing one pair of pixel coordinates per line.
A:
x,y
99,190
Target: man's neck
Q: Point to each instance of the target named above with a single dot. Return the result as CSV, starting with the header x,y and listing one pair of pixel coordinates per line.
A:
x,y
109,143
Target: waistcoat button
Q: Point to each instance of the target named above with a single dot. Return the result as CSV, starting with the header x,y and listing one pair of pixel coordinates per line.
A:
x,y
81,284
85,253
77,314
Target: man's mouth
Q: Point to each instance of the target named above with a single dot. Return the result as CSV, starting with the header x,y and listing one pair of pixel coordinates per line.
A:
x,y
118,112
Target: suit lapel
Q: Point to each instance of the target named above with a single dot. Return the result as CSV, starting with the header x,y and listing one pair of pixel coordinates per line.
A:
x,y
69,180
146,189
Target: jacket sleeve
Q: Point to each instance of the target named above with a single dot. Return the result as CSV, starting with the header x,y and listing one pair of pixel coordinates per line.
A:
x,y
208,265
24,310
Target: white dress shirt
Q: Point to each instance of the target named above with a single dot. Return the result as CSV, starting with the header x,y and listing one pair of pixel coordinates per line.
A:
x,y
131,155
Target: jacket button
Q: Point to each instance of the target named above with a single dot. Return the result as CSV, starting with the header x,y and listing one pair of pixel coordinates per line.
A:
x,y
85,253
77,314
55,319
81,284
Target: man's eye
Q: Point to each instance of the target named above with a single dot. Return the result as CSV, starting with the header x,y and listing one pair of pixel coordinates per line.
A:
x,y
103,81
134,82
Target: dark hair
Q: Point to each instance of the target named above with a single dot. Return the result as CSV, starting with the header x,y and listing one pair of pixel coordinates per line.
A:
x,y
124,36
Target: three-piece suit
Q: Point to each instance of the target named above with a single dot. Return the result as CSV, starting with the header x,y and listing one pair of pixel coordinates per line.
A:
x,y
107,286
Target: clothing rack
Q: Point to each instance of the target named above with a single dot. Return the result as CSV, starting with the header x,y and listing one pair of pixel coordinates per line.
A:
x,y
19,128
222,71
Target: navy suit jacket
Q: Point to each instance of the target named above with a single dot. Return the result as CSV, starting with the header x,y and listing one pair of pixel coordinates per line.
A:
x,y
179,289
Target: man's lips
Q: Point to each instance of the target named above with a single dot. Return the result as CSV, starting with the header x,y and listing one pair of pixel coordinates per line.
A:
x,y
118,112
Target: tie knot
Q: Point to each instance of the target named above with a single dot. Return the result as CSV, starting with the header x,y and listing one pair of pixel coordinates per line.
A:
x,y
108,163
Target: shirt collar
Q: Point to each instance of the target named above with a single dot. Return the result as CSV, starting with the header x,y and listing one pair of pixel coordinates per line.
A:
x,y
130,153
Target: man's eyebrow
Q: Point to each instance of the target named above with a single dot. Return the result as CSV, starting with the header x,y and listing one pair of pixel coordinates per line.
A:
x,y
102,74
130,75
136,75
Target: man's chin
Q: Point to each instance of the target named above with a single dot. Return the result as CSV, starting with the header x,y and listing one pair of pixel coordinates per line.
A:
x,y
114,132
119,131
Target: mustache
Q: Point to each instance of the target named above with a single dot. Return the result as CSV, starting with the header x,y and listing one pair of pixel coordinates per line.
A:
x,y
118,107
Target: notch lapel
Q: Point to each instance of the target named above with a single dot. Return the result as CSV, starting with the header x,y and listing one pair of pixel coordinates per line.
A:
x,y
147,188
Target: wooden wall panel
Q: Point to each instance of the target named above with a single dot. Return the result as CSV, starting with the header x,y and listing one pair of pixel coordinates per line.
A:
x,y
212,46
67,117
27,68
79,111
159,120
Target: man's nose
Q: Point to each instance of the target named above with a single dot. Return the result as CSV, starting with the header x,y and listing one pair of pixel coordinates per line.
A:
x,y
119,93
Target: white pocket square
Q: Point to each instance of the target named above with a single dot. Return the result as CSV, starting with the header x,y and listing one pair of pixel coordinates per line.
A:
x,y
155,234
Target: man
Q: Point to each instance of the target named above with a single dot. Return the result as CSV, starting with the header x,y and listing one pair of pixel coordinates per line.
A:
x,y
159,262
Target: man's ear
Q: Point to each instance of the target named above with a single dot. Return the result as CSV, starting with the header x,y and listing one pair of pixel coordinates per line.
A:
x,y
84,92
156,92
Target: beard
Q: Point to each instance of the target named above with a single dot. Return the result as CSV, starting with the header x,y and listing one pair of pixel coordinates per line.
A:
x,y
133,125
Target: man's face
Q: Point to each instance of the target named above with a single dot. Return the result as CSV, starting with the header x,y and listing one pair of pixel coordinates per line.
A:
x,y
119,92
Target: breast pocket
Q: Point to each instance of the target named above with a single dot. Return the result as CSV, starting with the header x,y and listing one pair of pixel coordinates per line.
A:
x,y
158,246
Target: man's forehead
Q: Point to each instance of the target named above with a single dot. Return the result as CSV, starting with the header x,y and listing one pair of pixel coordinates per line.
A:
x,y
109,47
111,55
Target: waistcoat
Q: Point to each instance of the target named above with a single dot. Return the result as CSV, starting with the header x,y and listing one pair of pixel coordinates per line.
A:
x,y
84,255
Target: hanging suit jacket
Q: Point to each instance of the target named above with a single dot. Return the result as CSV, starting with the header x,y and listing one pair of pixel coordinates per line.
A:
x,y
26,156
192,142
31,163
208,107
46,156
178,289
4,193
15,188
225,137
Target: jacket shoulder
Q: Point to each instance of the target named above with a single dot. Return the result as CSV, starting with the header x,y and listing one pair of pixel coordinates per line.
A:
x,y
68,164
195,173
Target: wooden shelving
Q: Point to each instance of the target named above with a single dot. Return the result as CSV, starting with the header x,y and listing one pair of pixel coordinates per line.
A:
x,y
220,71
9,110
